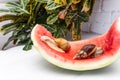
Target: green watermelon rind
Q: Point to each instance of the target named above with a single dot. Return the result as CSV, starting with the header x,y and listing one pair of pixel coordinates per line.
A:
x,y
76,66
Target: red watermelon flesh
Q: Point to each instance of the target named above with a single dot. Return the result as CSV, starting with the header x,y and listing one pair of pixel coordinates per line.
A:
x,y
110,42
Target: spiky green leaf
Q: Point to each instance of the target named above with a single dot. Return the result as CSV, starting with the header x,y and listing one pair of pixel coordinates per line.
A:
x,y
16,7
51,5
42,1
8,17
4,10
28,45
52,19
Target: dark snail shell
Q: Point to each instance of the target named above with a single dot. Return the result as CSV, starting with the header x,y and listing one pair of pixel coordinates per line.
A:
x,y
85,51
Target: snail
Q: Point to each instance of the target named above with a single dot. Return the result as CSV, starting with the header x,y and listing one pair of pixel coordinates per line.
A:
x,y
87,51
62,43
59,44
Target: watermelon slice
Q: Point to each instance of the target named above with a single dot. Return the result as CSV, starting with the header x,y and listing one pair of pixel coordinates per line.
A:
x,y
110,42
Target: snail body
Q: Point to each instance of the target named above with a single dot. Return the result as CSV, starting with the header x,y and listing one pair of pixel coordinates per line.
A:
x,y
59,44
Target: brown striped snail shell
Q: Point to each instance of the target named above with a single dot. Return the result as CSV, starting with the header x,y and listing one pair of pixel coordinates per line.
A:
x,y
89,50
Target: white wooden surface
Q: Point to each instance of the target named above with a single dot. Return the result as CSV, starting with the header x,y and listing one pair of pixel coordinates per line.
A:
x,y
16,64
